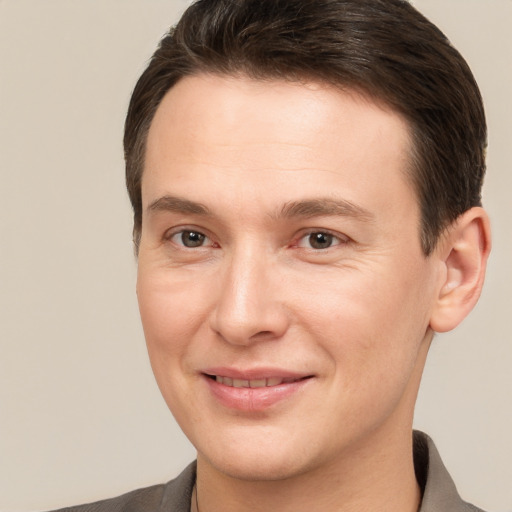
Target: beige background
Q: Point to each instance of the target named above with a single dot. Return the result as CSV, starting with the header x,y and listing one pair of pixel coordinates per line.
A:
x,y
80,416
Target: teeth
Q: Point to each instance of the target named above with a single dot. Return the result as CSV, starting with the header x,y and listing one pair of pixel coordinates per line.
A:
x,y
226,381
255,383
258,383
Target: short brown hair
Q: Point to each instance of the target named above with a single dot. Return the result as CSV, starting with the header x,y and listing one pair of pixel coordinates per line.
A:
x,y
384,48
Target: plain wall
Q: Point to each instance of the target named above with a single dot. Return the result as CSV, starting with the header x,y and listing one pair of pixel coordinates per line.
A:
x,y
80,416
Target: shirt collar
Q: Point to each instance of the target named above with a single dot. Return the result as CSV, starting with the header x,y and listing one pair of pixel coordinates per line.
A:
x,y
439,491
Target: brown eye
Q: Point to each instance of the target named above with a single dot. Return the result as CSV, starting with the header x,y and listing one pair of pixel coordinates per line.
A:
x,y
320,240
190,239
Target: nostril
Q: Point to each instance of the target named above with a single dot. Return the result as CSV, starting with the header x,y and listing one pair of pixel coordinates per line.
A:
x,y
263,334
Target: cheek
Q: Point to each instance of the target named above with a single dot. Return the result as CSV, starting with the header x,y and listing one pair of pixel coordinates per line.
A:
x,y
370,322
171,313
171,305
168,310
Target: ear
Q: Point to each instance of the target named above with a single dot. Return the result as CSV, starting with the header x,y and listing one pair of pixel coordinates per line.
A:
x,y
463,251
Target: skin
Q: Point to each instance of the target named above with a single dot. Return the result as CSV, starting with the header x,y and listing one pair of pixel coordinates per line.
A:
x,y
248,167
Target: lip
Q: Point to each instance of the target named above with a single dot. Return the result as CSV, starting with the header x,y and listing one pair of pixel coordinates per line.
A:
x,y
254,399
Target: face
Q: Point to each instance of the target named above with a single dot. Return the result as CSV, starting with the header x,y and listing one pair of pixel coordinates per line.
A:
x,y
284,295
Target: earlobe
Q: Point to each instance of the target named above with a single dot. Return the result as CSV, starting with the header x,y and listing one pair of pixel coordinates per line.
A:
x,y
463,250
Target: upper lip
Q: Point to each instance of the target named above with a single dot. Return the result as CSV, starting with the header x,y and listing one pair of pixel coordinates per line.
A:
x,y
254,373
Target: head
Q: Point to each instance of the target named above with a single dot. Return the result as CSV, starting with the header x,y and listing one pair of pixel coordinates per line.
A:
x,y
384,49
303,176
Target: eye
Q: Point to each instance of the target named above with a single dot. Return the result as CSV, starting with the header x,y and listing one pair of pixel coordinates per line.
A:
x,y
319,240
189,238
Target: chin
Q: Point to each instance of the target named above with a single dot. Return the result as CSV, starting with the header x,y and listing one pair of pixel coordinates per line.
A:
x,y
261,467
262,458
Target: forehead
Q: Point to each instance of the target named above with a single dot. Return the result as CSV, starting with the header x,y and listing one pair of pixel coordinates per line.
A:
x,y
297,136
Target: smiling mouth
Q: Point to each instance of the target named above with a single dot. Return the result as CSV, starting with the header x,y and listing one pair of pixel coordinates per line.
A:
x,y
254,391
255,383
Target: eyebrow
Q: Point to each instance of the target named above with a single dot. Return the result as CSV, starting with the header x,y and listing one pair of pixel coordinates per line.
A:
x,y
178,205
319,207
306,208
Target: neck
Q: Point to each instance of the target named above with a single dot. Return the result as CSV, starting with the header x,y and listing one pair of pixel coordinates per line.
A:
x,y
366,479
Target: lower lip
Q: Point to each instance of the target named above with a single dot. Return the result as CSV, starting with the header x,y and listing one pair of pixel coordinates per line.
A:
x,y
254,399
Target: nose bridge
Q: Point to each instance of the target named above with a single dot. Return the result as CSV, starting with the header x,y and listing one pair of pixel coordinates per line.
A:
x,y
248,306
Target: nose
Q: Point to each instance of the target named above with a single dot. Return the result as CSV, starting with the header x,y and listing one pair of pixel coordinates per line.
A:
x,y
248,306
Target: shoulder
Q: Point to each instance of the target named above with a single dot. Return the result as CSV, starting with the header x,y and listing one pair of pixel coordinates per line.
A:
x,y
148,499
174,496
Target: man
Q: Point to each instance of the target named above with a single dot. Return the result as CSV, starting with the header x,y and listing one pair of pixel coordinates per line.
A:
x,y
305,178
